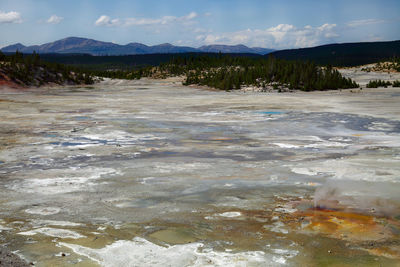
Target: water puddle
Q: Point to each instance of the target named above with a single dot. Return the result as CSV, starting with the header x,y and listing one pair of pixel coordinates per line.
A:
x,y
271,112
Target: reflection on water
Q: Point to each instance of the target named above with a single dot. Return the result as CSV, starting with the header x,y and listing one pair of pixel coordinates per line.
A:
x,y
121,177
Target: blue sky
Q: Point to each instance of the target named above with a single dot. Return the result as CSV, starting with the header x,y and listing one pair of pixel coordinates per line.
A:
x,y
265,23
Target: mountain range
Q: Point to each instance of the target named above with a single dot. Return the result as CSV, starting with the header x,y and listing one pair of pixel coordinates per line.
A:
x,y
97,48
345,54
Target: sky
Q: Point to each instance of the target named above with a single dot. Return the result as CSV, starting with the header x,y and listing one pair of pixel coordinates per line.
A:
x,y
277,24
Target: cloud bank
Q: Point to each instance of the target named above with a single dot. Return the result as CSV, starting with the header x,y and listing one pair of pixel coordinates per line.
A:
x,y
280,36
54,19
364,22
10,17
105,20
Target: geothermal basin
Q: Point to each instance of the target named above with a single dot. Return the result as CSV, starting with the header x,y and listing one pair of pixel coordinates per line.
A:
x,y
152,173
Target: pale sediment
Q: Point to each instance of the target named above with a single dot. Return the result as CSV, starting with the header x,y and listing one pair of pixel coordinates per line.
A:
x,y
222,177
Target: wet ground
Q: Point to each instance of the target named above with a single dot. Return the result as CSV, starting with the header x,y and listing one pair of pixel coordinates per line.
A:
x,y
149,173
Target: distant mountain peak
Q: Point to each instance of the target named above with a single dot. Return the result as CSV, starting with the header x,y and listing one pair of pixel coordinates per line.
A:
x,y
19,44
14,47
74,38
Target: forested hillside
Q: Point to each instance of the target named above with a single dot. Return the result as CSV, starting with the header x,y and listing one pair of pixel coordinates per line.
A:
x,y
31,70
348,54
101,63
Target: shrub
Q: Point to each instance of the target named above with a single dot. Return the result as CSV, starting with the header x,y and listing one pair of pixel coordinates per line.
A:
x,y
396,83
378,83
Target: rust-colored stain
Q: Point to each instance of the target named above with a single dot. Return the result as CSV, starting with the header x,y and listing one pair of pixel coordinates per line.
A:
x,y
345,225
370,233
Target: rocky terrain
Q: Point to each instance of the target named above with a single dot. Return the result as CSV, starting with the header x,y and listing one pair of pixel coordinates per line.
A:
x,y
366,73
9,259
29,70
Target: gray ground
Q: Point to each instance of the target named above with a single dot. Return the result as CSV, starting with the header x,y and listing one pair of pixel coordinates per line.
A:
x,y
9,259
363,77
146,172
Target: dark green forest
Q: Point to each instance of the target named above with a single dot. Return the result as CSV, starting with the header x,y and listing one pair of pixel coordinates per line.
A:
x,y
344,55
127,62
380,83
226,72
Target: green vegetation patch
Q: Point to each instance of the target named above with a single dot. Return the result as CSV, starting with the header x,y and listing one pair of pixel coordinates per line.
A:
x,y
378,83
226,73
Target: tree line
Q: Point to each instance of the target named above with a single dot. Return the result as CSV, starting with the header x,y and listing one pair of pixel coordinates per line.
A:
x,y
226,73
380,83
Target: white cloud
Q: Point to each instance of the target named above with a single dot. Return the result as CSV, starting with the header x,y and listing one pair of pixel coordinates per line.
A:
x,y
327,30
54,19
10,17
363,22
107,21
147,22
165,20
280,36
190,16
